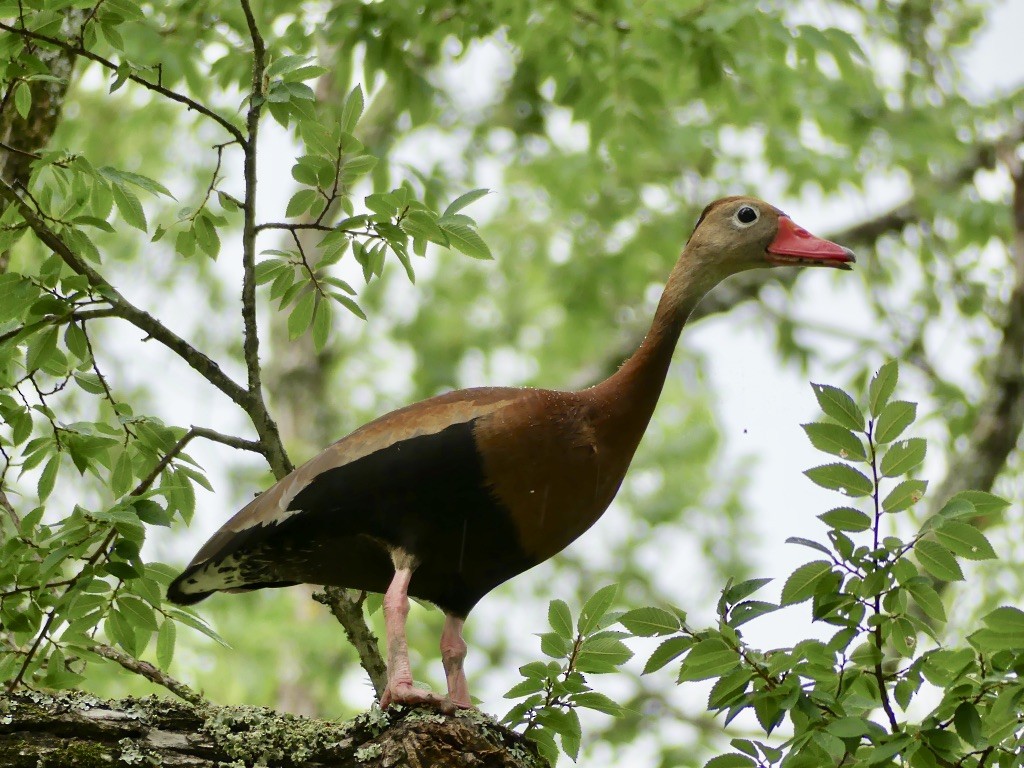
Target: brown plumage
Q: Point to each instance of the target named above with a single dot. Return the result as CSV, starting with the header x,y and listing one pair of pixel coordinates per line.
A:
x,y
447,498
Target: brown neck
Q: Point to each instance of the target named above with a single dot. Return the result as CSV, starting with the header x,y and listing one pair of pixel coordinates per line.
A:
x,y
627,398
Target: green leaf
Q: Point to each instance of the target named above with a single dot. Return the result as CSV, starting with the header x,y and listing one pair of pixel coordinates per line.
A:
x,y
601,653
669,650
904,495
129,207
322,316
801,583
301,316
710,658
937,560
301,202
352,110
42,347
348,304
985,504
842,478
206,236
967,722
893,419
903,457
23,99
846,519
120,631
138,613
123,474
165,644
965,540
730,760
48,478
423,224
650,622
560,618
524,688
463,200
599,702
1006,618
466,239
554,645
737,592
839,406
285,64
882,385
729,688
839,441
595,608
991,641
748,611
849,727
927,599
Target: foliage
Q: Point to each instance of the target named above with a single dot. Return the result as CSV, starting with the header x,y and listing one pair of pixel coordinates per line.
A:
x,y
961,700
556,690
603,128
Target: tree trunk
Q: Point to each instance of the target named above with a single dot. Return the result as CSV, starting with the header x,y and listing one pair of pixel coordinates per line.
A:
x,y
75,729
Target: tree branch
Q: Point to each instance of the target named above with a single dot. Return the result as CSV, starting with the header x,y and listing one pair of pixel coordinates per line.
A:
x,y
123,308
148,671
78,729
78,50
347,607
257,409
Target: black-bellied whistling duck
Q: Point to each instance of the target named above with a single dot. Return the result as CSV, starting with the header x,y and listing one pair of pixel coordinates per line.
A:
x,y
447,498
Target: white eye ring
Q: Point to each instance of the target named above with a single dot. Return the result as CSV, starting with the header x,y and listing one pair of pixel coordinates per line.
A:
x,y
742,216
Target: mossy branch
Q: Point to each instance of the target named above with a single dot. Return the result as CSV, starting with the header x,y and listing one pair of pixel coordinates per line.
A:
x,y
81,730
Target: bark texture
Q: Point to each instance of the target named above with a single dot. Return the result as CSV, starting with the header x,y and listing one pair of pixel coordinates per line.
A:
x,y
74,729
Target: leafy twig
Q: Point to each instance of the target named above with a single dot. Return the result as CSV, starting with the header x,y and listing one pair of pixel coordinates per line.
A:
x,y
883,691
78,50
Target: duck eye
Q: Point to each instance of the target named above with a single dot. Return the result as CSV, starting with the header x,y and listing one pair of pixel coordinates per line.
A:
x,y
746,215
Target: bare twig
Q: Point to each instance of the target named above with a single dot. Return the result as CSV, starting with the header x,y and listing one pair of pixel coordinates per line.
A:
x,y
347,607
148,671
71,317
78,50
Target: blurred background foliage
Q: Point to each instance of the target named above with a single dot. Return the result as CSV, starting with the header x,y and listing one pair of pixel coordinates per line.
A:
x,y
602,127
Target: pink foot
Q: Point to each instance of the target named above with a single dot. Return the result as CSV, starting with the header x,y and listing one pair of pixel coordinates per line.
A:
x,y
406,693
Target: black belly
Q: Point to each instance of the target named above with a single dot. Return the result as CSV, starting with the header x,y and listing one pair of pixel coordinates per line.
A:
x,y
426,495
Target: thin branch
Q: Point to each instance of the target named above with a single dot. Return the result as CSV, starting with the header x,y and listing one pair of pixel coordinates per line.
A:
x,y
108,395
78,50
71,317
883,691
347,607
266,428
235,442
123,308
294,227
150,672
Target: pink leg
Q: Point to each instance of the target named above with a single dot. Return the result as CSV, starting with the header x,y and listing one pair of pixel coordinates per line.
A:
x,y
453,653
400,689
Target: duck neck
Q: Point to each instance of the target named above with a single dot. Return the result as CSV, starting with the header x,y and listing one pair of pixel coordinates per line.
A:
x,y
627,398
